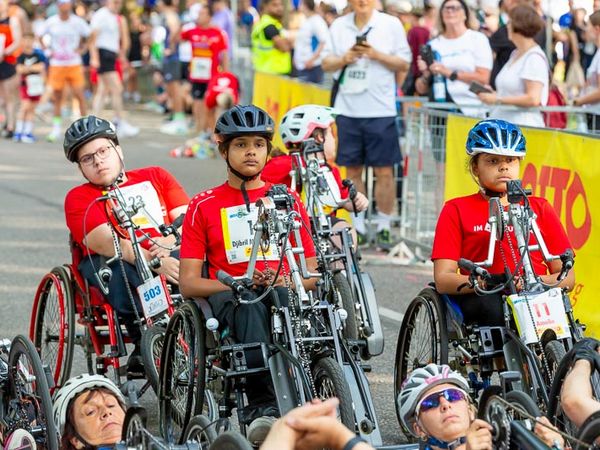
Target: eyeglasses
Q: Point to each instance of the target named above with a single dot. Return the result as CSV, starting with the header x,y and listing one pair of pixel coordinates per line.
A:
x,y
452,8
433,401
102,153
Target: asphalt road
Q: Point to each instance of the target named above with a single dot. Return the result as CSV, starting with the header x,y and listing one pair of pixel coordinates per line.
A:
x,y
33,238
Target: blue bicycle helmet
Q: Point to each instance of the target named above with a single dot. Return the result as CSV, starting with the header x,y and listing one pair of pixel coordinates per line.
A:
x,y
497,137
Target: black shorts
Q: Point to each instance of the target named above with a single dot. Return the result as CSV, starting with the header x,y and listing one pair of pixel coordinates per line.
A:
x,y
369,142
7,70
108,61
185,70
198,90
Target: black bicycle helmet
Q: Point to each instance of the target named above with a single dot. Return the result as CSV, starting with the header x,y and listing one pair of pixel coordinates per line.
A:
x,y
245,119
84,130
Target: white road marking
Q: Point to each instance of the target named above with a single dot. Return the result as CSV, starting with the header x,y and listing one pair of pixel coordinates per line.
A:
x,y
391,314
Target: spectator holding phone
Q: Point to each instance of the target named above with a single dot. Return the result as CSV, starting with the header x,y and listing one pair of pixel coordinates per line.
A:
x,y
463,56
524,80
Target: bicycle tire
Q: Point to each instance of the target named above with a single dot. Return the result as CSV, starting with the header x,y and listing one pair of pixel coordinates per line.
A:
x,y
231,440
201,431
133,424
554,352
330,382
53,323
182,372
555,411
345,298
589,431
520,399
39,392
423,312
151,348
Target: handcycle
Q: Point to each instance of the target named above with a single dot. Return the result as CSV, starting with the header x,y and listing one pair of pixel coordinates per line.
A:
x,y
339,261
25,401
433,330
68,311
204,369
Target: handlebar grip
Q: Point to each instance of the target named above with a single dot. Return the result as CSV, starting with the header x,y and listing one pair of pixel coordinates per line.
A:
x,y
471,267
229,281
567,259
178,222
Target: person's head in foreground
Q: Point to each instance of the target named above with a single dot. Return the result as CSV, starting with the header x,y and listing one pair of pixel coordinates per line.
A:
x,y
495,149
89,411
244,134
309,122
435,406
92,143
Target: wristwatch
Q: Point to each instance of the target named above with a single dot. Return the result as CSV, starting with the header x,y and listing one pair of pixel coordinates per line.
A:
x,y
453,76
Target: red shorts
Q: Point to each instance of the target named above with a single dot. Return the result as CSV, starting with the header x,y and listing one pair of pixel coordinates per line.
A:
x,y
25,96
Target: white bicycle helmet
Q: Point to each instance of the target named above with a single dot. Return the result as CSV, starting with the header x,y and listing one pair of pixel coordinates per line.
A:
x,y
420,381
75,386
299,123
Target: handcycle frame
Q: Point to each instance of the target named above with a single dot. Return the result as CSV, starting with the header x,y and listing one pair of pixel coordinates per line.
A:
x,y
294,349
76,297
309,169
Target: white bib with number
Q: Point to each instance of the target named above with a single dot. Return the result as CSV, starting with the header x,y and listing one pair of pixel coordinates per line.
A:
x,y
547,310
356,77
152,214
35,85
238,235
200,68
153,296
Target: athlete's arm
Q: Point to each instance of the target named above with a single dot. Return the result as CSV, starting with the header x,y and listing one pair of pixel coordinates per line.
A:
x,y
555,268
191,282
447,278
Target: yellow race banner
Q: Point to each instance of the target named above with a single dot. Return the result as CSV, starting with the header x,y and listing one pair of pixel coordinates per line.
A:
x,y
277,95
564,168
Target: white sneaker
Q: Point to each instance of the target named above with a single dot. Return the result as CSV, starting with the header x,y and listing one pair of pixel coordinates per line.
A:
x,y
259,428
53,136
125,129
175,128
28,138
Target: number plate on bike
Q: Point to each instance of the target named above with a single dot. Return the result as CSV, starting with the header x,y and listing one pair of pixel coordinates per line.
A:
x,y
545,310
153,295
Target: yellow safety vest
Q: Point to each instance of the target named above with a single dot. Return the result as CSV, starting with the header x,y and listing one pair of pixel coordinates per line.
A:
x,y
265,56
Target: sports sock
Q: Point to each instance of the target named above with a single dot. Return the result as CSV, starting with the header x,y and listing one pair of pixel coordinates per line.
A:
x,y
384,221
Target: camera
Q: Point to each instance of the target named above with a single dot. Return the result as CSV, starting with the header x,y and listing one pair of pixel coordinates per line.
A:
x,y
426,53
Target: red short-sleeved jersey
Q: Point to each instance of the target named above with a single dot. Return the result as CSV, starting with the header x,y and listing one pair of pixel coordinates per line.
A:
x,y
159,190
223,82
218,228
277,171
462,231
207,45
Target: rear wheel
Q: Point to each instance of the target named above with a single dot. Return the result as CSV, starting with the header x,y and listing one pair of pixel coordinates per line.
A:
x,y
231,440
28,401
53,323
330,382
423,338
345,298
151,348
201,431
182,372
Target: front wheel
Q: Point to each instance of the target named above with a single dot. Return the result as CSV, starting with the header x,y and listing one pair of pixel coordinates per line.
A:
x,y
330,382
28,396
151,349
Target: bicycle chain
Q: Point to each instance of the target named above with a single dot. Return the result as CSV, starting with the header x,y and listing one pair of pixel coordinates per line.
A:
x,y
296,321
526,415
538,344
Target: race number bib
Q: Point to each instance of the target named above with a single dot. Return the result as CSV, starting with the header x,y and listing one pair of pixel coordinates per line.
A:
x,y
153,295
548,311
356,77
200,68
35,85
238,235
152,214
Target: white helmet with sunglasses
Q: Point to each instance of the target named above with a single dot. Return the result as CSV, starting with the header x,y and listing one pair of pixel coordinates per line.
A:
x,y
418,383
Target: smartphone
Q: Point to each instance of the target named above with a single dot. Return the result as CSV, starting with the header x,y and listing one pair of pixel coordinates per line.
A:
x,y
361,39
478,88
426,53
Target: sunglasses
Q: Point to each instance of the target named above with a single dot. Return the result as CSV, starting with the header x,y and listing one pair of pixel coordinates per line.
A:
x,y
451,395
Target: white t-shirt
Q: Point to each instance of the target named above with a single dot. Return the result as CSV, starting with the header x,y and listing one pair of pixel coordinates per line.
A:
x,y
591,83
464,54
65,36
368,87
311,34
532,66
106,26
185,47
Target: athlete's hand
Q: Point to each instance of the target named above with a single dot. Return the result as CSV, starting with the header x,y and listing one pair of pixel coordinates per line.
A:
x,y
365,49
548,435
479,435
351,56
169,267
361,202
265,278
162,246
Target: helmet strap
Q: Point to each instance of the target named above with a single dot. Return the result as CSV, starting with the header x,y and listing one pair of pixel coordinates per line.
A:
x,y
446,445
489,193
244,179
